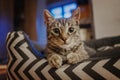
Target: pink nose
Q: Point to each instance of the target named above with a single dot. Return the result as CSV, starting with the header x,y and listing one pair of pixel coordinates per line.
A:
x,y
64,39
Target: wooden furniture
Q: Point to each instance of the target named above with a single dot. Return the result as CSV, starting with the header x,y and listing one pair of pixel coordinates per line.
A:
x,y
3,72
86,25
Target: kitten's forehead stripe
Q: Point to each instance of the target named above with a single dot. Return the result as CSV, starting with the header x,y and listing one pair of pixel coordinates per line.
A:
x,y
66,22
63,22
58,24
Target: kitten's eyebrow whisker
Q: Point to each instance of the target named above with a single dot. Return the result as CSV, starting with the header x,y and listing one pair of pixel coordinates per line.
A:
x,y
68,23
56,25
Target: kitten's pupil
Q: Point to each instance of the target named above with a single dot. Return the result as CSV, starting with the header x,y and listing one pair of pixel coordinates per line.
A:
x,y
56,31
71,29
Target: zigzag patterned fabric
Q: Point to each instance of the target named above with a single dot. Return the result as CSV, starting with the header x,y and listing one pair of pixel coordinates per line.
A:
x,y
25,65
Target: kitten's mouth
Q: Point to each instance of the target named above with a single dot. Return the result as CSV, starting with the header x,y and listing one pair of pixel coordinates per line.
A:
x,y
67,45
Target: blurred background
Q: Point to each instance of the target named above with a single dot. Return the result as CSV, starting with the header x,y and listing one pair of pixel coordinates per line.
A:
x,y
99,18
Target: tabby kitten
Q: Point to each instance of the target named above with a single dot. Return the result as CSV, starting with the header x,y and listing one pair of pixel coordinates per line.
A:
x,y
64,43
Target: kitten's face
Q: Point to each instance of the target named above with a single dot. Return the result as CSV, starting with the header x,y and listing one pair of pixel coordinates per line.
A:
x,y
62,31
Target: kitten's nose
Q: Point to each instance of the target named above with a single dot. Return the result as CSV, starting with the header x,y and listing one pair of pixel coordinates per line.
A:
x,y
64,38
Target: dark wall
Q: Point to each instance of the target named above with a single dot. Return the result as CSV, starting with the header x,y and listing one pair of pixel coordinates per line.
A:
x,y
6,25
25,17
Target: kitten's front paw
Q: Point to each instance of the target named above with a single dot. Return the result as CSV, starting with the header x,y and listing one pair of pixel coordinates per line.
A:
x,y
75,58
72,58
55,61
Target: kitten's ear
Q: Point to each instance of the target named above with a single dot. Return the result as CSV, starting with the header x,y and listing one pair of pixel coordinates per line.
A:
x,y
76,14
47,16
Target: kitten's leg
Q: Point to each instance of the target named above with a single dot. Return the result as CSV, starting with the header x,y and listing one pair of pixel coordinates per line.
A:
x,y
74,58
55,60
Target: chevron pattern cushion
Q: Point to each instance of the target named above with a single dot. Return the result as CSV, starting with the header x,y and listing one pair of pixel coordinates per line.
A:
x,y
24,64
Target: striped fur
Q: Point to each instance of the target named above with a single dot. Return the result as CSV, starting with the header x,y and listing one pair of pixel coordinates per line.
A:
x,y
64,42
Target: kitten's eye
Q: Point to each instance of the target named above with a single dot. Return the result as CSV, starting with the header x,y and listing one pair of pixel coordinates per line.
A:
x,y
71,29
56,31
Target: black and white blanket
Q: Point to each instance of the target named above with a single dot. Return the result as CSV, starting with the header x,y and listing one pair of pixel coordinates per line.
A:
x,y
25,64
